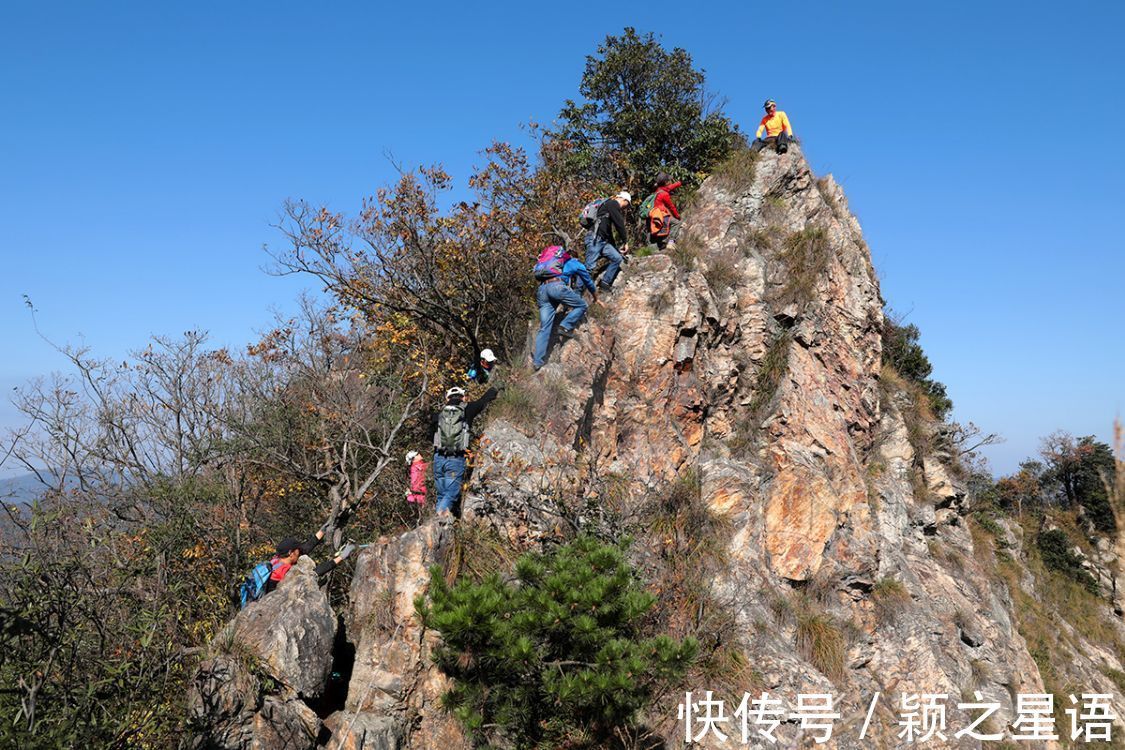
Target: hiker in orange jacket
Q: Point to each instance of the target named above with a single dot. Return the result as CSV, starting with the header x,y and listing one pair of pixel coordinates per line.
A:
x,y
664,218
777,129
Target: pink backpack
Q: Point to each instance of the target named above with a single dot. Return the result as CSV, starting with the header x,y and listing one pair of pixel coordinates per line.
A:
x,y
551,262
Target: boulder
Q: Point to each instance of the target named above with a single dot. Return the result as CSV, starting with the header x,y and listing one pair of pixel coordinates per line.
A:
x,y
250,691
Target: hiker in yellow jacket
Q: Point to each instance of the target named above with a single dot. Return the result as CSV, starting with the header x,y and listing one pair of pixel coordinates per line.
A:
x,y
777,129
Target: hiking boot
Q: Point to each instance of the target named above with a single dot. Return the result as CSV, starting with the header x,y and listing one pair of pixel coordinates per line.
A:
x,y
565,334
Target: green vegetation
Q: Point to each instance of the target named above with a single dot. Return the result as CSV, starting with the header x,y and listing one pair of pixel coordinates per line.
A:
x,y
557,657
1055,548
613,133
902,351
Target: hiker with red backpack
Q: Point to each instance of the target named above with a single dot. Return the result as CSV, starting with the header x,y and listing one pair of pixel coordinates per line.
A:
x,y
606,217
664,217
555,272
266,575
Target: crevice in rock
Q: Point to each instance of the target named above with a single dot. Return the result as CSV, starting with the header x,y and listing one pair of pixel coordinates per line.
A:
x,y
343,660
584,433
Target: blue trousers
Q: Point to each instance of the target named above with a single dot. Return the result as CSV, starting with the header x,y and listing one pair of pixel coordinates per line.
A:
x,y
550,295
597,247
449,472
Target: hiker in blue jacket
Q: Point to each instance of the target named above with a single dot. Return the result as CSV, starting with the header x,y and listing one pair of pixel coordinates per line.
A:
x,y
555,288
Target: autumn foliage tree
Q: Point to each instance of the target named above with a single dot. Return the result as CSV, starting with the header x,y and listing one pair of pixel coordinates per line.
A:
x,y
446,282
163,478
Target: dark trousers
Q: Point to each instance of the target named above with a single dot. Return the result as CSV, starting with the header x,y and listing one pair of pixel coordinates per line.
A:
x,y
779,141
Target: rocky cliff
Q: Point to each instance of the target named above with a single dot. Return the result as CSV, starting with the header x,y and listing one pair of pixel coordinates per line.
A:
x,y
727,407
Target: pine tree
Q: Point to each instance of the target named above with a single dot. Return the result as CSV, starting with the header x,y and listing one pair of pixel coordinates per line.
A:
x,y
556,657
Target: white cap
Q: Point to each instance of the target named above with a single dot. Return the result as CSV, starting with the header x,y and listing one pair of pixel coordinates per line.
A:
x,y
487,355
410,456
625,194
454,391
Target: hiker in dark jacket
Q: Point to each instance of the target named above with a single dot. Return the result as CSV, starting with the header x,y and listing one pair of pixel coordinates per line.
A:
x,y
600,240
288,550
482,370
452,428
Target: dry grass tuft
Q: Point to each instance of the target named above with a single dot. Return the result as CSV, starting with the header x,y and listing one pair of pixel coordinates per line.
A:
x,y
821,641
688,248
890,598
771,371
722,271
805,256
735,174
526,401
477,551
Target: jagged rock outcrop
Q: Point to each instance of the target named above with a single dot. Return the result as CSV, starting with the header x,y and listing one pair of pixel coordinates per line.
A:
x,y
394,691
252,689
748,359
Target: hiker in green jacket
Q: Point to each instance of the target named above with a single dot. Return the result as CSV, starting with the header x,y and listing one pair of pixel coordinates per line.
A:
x,y
452,429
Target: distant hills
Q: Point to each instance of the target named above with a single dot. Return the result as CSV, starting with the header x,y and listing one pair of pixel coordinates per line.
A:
x,y
21,489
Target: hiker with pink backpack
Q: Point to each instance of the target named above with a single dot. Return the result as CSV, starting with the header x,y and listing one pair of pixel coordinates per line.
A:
x,y
555,270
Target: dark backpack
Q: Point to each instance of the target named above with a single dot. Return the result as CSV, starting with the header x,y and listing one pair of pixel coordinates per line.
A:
x,y
452,434
254,586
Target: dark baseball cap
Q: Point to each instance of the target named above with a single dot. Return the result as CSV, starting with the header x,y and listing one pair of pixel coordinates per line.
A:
x,y
285,546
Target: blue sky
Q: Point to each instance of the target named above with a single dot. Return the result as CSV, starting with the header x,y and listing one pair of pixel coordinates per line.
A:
x,y
145,149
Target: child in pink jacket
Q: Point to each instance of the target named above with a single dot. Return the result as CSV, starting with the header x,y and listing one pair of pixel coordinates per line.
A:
x,y
417,491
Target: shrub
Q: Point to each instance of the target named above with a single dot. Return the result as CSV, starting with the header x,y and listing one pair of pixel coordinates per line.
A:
x,y
616,135
557,657
902,351
1054,548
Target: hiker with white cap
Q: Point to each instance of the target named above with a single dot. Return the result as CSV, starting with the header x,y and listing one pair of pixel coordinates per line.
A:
x,y
600,240
482,370
452,428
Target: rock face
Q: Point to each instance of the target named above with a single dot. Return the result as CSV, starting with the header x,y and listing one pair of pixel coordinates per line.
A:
x,y
392,677
749,361
251,691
